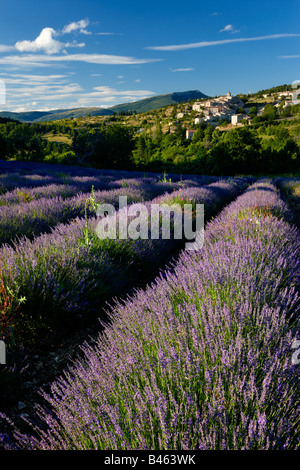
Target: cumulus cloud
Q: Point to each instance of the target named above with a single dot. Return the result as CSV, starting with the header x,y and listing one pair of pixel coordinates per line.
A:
x,y
77,26
44,42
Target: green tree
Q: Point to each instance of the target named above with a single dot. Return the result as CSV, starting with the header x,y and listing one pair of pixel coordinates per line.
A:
x,y
253,111
84,144
237,151
269,112
158,132
4,147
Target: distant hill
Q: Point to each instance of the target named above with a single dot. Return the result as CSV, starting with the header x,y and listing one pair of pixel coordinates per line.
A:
x,y
141,106
40,116
28,116
159,101
74,113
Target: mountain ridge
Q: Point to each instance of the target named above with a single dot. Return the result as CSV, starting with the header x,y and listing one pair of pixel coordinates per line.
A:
x,y
140,106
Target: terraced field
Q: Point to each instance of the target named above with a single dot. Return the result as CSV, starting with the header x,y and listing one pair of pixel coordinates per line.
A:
x,y
194,348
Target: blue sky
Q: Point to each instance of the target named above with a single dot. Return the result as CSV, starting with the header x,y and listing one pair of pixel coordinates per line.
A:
x,y
68,54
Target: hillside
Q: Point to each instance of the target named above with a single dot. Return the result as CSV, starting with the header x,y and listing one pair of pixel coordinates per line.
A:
x,y
140,106
55,115
159,101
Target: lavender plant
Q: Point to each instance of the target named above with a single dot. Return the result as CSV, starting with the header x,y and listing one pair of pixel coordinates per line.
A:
x,y
39,216
199,360
67,273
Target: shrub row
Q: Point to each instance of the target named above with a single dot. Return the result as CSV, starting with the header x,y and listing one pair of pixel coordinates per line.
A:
x,y
63,276
201,359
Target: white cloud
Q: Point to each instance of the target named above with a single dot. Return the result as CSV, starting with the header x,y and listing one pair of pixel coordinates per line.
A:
x,y
189,69
31,60
32,80
193,45
44,90
108,34
75,44
289,56
108,91
44,42
229,28
4,48
21,110
77,26
70,96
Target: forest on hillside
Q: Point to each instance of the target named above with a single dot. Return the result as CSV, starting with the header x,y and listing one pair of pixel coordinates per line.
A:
x,y
270,144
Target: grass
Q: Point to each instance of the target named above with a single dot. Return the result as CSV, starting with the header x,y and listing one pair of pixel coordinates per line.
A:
x,y
60,138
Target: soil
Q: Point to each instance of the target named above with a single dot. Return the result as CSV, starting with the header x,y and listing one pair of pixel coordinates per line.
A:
x,y
40,371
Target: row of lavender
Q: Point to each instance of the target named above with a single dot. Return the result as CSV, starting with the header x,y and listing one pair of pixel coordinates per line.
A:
x,y
58,170
202,359
65,275
22,182
100,179
40,214
69,188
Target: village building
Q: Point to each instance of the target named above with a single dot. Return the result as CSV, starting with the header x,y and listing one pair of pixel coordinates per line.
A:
x,y
197,106
189,133
236,119
198,120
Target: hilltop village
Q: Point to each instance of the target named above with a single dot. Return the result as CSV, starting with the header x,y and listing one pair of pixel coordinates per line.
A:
x,y
228,108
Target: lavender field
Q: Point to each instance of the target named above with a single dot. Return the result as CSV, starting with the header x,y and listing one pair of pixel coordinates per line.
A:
x,y
192,349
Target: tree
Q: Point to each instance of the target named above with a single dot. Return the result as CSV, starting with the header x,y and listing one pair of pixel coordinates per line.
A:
x,y
285,112
139,154
114,147
158,132
4,147
237,151
270,112
84,144
253,111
